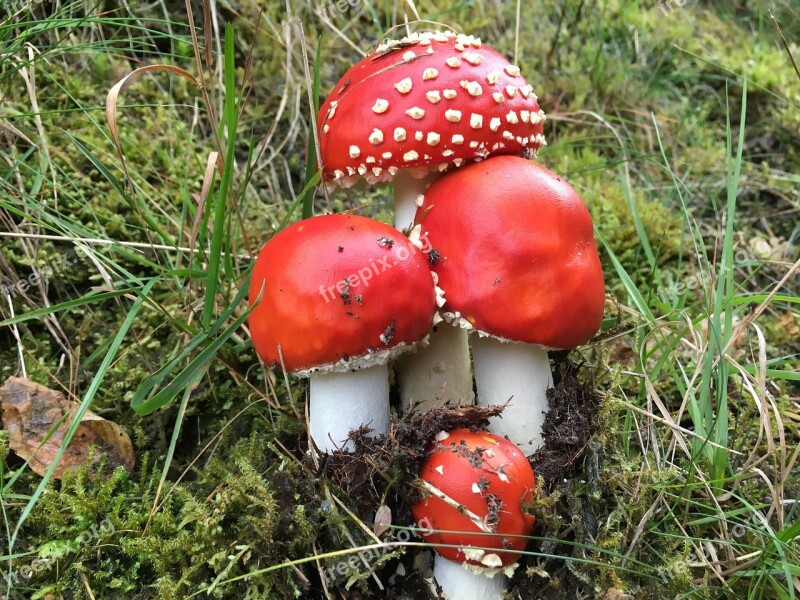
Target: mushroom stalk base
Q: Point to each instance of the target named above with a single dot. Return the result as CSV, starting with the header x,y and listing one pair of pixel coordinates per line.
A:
x,y
517,372
341,402
438,373
406,190
458,583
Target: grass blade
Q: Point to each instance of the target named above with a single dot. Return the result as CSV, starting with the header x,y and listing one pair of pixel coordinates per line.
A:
x,y
311,154
231,121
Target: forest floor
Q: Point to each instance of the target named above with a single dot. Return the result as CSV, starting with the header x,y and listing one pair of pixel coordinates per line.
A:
x,y
671,465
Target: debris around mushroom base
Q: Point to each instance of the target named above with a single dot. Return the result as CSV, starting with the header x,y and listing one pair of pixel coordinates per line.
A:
x,y
568,428
384,462
402,449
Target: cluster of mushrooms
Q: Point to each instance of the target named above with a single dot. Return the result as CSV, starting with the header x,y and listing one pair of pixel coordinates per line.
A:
x,y
486,243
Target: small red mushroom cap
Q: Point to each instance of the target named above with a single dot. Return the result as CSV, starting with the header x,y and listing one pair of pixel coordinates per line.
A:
x,y
488,478
516,253
339,292
426,101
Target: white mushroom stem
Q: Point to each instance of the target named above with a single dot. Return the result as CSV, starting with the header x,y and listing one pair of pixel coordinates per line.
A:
x,y
519,373
459,583
342,402
407,188
439,372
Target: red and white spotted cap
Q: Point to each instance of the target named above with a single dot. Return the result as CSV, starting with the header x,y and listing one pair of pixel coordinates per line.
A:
x,y
477,485
426,102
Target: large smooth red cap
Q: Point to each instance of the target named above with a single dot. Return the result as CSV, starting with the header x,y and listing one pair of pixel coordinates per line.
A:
x,y
490,477
428,100
517,256
337,290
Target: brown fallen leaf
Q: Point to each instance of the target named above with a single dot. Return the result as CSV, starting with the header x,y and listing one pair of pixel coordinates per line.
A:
x,y
383,518
31,410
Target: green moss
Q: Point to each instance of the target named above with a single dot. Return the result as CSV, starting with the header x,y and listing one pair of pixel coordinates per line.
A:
x,y
245,510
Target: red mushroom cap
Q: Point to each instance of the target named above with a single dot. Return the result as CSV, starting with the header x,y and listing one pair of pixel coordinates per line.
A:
x,y
426,101
339,292
516,253
490,478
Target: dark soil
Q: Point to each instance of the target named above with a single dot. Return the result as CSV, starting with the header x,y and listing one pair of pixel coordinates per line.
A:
x,y
568,428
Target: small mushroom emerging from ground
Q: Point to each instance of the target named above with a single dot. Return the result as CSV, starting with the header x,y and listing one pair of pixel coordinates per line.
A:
x,y
412,109
340,296
520,270
477,485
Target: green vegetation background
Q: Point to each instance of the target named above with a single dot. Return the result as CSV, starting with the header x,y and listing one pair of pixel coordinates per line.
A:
x,y
641,101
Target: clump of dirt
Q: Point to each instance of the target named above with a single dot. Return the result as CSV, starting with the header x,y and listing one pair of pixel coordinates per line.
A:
x,y
394,460
568,427
402,589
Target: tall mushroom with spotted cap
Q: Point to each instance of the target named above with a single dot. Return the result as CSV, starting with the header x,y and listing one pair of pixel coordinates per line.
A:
x,y
409,111
416,106
337,297
519,268
476,486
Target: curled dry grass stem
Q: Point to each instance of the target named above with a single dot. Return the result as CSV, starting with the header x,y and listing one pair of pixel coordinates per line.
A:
x,y
113,96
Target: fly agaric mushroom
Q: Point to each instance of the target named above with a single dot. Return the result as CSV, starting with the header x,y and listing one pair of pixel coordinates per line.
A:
x,y
407,112
340,296
518,264
477,485
419,105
